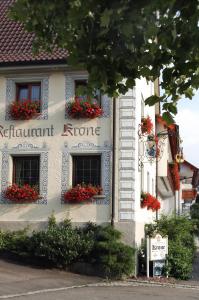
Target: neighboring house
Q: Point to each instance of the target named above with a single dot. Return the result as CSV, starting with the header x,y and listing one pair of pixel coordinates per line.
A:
x,y
168,176
189,176
55,152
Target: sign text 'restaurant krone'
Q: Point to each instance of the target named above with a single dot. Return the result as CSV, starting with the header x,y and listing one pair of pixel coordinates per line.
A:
x,y
69,130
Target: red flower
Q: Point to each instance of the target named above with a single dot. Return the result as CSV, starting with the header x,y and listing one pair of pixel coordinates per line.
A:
x,y
81,109
19,194
160,120
146,125
81,193
150,202
24,110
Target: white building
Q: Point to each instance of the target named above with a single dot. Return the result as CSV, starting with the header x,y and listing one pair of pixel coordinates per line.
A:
x,y
189,175
168,176
55,151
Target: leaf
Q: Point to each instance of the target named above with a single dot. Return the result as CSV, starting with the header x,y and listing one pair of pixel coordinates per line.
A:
x,y
105,18
152,100
173,109
168,118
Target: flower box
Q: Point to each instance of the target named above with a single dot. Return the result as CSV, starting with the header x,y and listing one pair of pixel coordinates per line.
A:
x,y
99,197
150,202
83,109
21,194
81,193
24,110
146,125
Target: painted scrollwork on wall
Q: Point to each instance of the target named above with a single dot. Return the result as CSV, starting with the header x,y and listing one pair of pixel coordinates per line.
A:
x,y
70,93
23,149
11,92
88,148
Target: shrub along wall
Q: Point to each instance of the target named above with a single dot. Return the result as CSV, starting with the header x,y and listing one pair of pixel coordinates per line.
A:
x,y
180,231
61,245
194,212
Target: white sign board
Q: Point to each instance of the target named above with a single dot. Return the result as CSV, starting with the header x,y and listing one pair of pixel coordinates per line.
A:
x,y
158,248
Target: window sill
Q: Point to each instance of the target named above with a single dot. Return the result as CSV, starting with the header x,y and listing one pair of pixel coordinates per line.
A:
x,y
99,197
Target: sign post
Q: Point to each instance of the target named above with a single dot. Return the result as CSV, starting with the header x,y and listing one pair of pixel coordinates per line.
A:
x,y
147,256
157,251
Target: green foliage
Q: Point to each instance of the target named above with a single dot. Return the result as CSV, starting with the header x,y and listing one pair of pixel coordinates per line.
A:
x,y
14,241
2,240
61,245
109,253
197,198
180,231
195,211
122,39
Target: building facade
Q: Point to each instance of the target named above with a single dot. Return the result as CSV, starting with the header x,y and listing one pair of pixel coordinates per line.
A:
x,y
55,152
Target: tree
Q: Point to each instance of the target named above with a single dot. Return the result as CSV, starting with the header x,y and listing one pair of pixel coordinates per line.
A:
x,y
119,41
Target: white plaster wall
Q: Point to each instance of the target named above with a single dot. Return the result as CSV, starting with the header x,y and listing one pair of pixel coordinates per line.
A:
x,y
142,215
55,144
167,205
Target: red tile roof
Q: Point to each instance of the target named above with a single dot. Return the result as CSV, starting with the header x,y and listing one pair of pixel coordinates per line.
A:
x,y
16,43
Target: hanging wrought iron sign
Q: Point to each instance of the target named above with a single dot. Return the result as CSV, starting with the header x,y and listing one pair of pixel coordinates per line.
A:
x,y
152,147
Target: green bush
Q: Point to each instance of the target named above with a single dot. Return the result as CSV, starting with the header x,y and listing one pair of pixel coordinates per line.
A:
x,y
59,243
14,241
180,231
194,211
113,257
2,240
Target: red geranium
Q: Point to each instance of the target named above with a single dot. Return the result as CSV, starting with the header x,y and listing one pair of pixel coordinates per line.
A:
x,y
84,109
150,202
24,110
81,193
146,125
19,194
160,120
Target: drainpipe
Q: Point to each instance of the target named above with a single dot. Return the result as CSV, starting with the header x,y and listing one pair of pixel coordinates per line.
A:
x,y
156,185
176,201
113,163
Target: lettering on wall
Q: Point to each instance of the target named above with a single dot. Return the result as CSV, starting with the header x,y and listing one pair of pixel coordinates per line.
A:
x,y
68,130
13,132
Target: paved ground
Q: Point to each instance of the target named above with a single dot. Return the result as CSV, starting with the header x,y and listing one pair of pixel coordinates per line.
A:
x,y
195,273
116,293
31,283
15,279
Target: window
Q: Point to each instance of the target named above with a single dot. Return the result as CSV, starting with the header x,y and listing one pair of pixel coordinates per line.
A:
x,y
26,170
148,182
87,169
28,91
81,86
153,187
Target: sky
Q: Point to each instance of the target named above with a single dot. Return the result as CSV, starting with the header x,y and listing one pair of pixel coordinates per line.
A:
x,y
188,121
